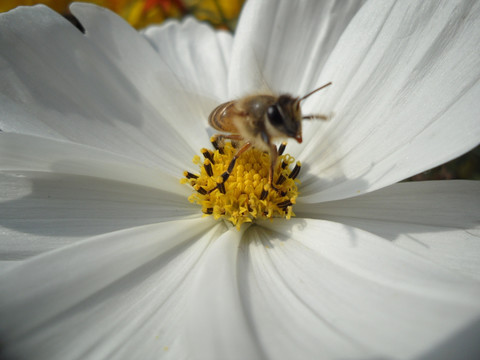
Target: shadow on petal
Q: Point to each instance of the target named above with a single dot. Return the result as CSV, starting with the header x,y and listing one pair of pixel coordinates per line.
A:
x,y
60,205
465,344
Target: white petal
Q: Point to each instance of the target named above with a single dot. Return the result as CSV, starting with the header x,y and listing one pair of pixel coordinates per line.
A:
x,y
31,153
101,298
405,97
286,325
219,325
284,45
438,220
43,211
108,88
7,265
331,281
196,54
169,96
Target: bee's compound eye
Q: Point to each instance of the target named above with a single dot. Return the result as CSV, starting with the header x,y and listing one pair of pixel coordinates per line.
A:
x,y
274,115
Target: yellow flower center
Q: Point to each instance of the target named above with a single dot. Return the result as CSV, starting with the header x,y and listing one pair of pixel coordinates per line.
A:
x,y
246,195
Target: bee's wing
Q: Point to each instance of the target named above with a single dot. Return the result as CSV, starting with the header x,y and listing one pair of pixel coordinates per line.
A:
x,y
251,79
222,117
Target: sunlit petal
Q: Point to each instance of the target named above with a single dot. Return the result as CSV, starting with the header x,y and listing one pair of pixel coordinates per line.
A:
x,y
99,298
357,287
219,325
107,88
42,211
284,45
410,87
196,54
25,152
436,219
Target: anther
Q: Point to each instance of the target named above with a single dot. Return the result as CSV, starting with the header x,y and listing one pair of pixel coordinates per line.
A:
x,y
201,190
215,144
221,188
189,175
209,211
208,155
281,179
284,204
263,194
284,164
281,148
225,176
208,167
295,171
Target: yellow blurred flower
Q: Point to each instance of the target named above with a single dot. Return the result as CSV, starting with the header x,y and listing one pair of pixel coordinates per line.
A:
x,y
57,5
220,13
141,13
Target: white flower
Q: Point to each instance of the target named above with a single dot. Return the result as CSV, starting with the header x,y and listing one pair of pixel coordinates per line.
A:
x,y
116,263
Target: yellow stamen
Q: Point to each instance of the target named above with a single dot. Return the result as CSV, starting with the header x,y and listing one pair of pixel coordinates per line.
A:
x,y
246,195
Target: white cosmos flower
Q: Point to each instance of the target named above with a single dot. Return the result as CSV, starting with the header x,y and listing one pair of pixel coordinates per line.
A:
x,y
104,257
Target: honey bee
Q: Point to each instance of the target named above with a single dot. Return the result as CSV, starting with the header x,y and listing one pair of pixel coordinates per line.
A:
x,y
256,121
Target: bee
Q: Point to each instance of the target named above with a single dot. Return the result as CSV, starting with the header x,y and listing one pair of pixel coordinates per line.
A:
x,y
256,121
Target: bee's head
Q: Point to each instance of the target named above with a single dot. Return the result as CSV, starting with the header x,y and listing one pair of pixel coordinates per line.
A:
x,y
286,116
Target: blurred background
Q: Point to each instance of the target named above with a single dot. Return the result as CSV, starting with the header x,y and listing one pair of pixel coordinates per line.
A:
x,y
140,13
223,14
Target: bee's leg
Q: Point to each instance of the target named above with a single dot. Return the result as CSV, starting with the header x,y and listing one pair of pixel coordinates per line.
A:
x,y
217,140
220,186
273,162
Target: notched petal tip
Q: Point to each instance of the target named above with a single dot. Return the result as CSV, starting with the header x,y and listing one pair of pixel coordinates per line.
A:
x,y
75,22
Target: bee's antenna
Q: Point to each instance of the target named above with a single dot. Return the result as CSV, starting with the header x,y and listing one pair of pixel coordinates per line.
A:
x,y
313,117
314,91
